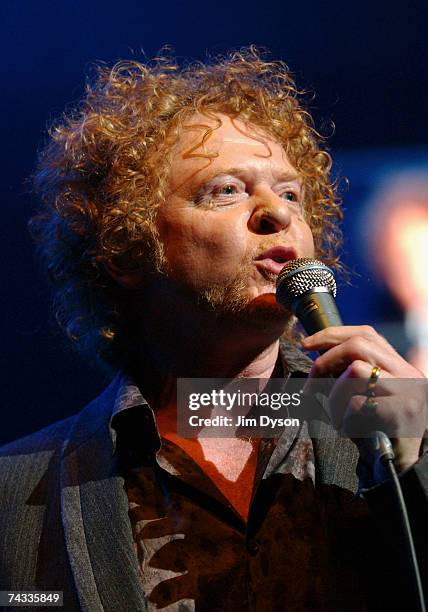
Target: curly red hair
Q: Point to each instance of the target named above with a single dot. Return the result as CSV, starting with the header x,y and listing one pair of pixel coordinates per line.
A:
x,y
103,173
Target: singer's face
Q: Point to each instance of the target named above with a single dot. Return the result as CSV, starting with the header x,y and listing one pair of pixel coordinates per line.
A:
x,y
224,213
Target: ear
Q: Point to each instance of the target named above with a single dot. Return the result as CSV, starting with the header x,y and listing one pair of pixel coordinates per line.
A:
x,y
126,278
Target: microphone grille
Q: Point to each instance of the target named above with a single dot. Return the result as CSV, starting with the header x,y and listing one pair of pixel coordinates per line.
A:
x,y
301,275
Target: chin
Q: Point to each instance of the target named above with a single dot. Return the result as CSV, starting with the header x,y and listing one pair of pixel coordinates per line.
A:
x,y
255,305
267,301
264,311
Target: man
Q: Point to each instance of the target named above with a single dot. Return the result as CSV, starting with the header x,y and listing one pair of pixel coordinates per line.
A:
x,y
172,198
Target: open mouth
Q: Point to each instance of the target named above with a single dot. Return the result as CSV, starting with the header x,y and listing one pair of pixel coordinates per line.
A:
x,y
274,259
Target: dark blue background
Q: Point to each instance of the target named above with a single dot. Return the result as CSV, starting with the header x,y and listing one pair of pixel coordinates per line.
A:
x,y
366,61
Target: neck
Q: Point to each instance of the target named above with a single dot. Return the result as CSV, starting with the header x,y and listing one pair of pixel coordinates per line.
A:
x,y
185,342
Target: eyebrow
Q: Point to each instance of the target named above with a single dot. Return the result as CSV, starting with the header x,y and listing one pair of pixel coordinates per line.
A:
x,y
279,175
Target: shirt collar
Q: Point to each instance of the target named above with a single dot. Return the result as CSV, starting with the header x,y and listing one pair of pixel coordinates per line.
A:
x,y
137,438
138,429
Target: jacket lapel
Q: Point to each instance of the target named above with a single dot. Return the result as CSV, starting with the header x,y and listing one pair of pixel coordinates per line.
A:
x,y
336,457
94,510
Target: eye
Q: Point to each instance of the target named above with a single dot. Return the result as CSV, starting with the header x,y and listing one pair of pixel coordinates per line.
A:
x,y
290,196
226,190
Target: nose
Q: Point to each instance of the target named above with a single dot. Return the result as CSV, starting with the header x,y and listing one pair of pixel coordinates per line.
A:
x,y
270,214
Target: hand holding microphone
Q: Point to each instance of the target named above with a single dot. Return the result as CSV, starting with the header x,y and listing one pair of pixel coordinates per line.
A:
x,y
352,354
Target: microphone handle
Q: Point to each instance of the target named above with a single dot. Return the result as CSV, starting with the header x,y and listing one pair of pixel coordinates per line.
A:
x,y
316,309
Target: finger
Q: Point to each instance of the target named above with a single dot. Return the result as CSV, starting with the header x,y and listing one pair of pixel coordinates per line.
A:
x,y
407,396
356,351
331,336
353,381
360,349
399,416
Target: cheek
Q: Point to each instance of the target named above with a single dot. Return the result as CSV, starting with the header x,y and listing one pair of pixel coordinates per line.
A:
x,y
305,240
202,237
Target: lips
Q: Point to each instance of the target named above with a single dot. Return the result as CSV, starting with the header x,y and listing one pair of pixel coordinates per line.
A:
x,y
275,258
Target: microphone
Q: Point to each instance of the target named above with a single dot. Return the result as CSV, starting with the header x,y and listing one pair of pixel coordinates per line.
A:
x,y
307,288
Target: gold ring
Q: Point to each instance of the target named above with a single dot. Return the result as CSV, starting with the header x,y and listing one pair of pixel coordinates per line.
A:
x,y
374,377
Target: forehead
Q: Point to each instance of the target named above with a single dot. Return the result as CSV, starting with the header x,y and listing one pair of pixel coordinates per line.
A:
x,y
208,144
